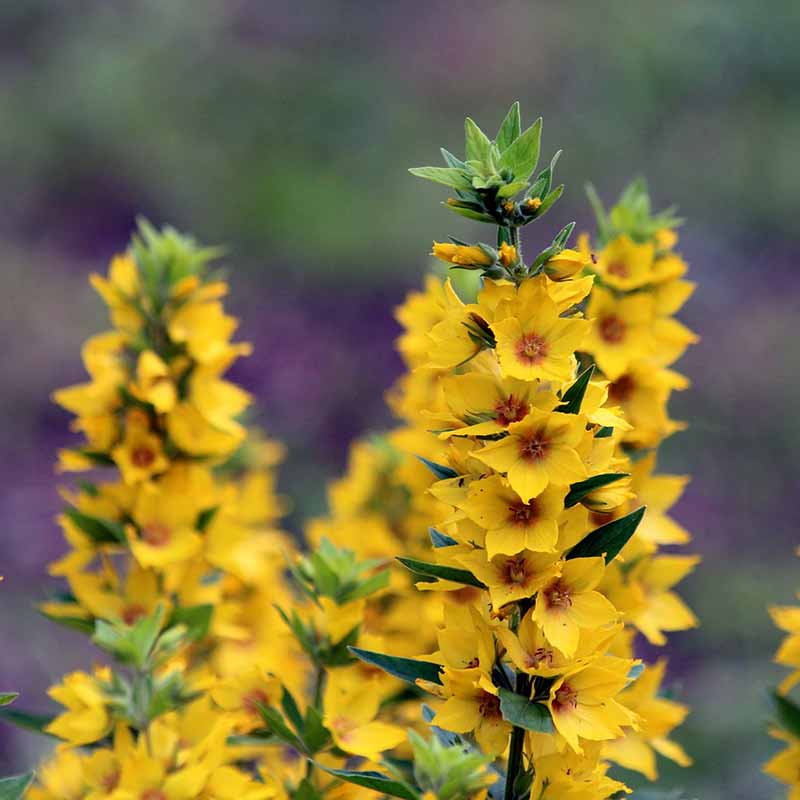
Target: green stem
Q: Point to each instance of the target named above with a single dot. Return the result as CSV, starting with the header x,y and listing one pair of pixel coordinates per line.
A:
x,y
319,683
514,761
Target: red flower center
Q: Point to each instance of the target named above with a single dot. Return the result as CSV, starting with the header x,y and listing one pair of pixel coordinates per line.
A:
x,y
558,595
532,349
515,570
156,534
612,329
618,268
534,446
132,613
621,389
253,700
541,655
523,514
489,706
152,794
510,410
566,698
142,456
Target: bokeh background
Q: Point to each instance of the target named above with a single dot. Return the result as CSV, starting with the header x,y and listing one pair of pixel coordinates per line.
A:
x,y
284,131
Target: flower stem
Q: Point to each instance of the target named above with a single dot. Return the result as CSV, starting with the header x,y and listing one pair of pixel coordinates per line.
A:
x,y
514,761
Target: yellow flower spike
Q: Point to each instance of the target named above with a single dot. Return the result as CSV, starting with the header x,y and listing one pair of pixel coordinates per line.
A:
x,y
569,603
511,524
538,451
140,455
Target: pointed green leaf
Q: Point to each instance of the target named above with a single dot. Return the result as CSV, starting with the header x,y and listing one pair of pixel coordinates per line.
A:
x,y
577,491
548,201
510,189
315,734
76,623
277,725
197,620
439,571
451,160
15,788
477,216
520,711
99,529
605,432
8,697
522,155
407,669
510,128
306,791
291,710
608,539
22,719
367,587
439,470
788,713
573,398
478,144
447,176
381,783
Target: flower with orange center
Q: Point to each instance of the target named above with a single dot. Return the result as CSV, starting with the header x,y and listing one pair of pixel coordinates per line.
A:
x,y
621,333
511,524
472,705
533,341
624,264
242,695
511,578
539,451
164,531
140,455
570,603
583,702
350,711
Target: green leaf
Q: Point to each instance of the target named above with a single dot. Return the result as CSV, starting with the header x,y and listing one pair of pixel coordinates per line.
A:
x,y
478,144
548,201
577,491
407,669
439,571
99,529
448,176
788,713
451,160
573,397
204,518
477,216
520,711
510,128
510,189
608,539
276,724
291,710
367,587
439,470
306,791
315,734
375,780
197,620
522,155
8,697
605,432
15,788
76,623
22,719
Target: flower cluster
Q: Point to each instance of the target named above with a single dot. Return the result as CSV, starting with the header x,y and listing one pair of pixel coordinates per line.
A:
x,y
545,561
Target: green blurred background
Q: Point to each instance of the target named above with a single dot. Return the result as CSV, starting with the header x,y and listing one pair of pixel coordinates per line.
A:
x,y
284,129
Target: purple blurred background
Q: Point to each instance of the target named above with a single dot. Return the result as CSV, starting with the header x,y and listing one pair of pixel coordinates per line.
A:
x,y
284,132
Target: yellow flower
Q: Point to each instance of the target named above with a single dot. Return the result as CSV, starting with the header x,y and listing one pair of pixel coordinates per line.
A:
x,y
511,578
533,341
61,777
621,333
785,766
570,602
472,705
204,328
787,618
154,383
350,711
512,525
120,292
538,451
461,255
624,264
86,719
565,264
657,718
140,455
164,532
583,705
243,694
